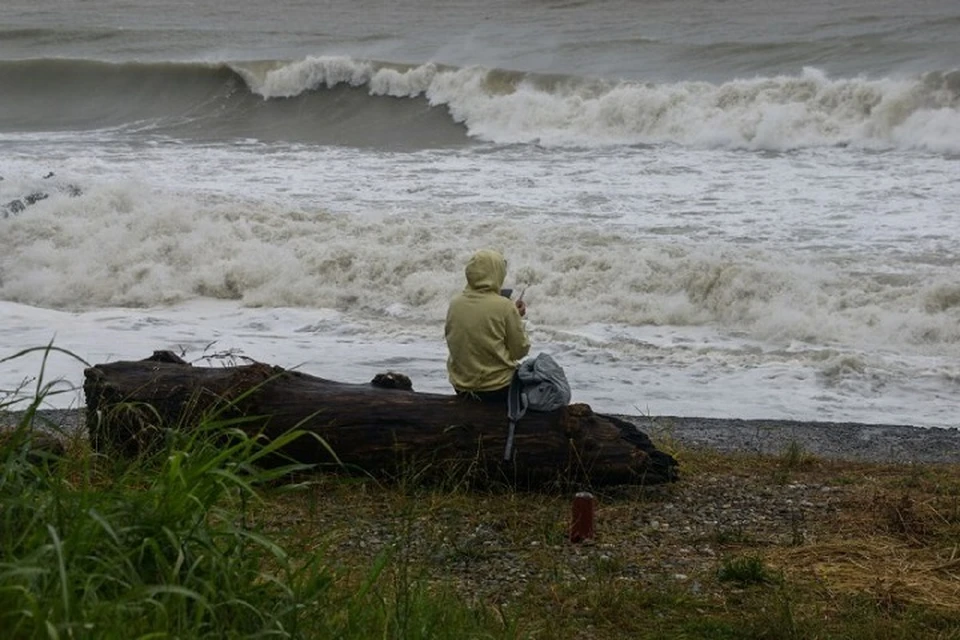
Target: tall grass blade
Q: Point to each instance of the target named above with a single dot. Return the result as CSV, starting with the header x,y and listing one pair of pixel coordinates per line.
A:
x,y
62,568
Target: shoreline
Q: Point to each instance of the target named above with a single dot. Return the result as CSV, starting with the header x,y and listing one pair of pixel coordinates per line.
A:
x,y
853,441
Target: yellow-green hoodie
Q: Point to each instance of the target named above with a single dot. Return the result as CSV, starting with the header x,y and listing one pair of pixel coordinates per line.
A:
x,y
485,335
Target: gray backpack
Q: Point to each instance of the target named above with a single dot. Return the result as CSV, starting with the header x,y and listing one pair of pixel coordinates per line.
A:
x,y
545,386
539,384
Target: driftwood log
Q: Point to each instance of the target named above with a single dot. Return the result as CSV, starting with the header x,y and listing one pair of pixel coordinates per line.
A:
x,y
371,427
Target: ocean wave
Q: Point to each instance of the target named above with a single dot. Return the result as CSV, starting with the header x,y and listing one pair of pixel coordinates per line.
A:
x,y
342,100
210,101
779,113
126,245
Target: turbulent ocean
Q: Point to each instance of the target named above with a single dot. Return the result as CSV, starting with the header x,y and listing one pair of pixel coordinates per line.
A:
x,y
737,209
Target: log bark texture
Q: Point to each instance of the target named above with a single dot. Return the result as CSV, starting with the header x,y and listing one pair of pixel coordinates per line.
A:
x,y
369,427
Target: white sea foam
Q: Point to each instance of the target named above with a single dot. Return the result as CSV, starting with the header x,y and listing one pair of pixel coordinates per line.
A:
x,y
658,370
775,113
127,245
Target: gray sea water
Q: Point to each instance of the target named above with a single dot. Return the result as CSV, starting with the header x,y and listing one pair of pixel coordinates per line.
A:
x,y
732,209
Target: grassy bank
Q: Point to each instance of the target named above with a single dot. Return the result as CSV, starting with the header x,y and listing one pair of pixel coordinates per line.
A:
x,y
197,540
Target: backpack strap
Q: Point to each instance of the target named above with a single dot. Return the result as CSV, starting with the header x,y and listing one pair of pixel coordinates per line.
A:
x,y
516,408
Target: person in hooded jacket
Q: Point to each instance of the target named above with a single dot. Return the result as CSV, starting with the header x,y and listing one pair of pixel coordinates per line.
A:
x,y
484,331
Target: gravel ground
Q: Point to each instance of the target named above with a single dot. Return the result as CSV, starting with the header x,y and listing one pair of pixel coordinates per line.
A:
x,y
66,421
661,534
830,440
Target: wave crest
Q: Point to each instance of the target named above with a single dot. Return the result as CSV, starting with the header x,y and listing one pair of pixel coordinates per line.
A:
x,y
777,113
342,100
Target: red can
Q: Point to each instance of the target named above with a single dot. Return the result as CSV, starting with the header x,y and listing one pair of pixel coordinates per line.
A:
x,y
581,526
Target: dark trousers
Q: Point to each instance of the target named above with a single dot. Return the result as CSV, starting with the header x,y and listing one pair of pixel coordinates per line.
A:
x,y
496,396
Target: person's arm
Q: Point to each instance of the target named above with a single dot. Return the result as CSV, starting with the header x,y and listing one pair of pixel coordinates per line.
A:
x,y
518,345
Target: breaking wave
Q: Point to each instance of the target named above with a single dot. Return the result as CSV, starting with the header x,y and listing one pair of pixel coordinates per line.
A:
x,y
124,245
342,100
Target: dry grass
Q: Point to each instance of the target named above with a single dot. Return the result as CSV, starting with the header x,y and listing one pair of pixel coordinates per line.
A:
x,y
891,572
896,539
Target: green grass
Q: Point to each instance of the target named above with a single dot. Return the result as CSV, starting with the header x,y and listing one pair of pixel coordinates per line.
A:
x,y
95,546
745,571
157,544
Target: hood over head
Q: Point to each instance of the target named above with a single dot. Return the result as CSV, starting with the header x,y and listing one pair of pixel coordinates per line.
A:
x,y
486,271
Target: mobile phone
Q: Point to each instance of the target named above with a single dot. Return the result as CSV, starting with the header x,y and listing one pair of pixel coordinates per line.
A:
x,y
506,293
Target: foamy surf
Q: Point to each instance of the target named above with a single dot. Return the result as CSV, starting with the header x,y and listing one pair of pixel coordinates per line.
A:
x,y
128,244
678,371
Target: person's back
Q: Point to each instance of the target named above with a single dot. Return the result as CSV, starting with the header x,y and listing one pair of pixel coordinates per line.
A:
x,y
484,331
